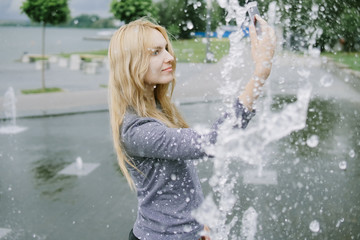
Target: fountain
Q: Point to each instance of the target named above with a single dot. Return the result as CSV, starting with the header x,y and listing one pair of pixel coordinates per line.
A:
x,y
79,168
9,104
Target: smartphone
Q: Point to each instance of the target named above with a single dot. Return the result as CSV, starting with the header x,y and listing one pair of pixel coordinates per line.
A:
x,y
252,9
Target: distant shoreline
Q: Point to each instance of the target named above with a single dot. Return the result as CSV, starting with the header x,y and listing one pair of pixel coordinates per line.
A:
x,y
29,24
82,21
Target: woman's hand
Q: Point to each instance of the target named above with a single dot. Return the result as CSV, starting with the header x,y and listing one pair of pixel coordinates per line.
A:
x,y
262,48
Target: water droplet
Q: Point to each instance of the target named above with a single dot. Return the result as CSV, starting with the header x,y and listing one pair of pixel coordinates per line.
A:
x,y
187,199
189,25
342,165
278,198
352,153
303,73
314,226
326,80
312,141
339,222
173,177
187,228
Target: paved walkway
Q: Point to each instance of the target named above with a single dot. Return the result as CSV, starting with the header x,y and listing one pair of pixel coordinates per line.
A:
x,y
195,82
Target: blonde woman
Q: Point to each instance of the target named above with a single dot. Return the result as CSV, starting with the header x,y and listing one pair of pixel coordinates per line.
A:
x,y
155,147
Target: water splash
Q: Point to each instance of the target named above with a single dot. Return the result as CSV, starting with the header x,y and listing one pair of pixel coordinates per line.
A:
x,y
247,145
9,105
79,163
249,224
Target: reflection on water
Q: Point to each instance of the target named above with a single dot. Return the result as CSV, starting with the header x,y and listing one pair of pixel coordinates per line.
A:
x,y
311,187
46,169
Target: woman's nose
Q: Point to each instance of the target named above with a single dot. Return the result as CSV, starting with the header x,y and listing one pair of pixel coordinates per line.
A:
x,y
169,57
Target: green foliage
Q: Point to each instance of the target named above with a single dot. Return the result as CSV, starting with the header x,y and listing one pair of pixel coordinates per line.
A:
x,y
46,11
322,23
103,52
130,10
218,15
181,17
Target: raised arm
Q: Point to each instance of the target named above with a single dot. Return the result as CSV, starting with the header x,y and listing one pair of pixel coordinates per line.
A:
x,y
262,51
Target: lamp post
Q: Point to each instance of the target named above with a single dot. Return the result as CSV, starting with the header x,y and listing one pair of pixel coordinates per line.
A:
x,y
209,57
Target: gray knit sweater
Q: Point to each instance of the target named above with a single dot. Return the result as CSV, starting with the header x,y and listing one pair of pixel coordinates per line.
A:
x,y
168,187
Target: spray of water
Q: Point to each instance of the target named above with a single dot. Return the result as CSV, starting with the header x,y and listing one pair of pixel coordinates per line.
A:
x,y
245,145
9,104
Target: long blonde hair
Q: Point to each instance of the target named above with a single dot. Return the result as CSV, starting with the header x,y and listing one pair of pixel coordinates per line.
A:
x,y
129,62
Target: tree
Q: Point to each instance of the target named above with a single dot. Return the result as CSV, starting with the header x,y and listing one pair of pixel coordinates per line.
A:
x,y
130,10
317,23
46,12
218,15
181,17
322,23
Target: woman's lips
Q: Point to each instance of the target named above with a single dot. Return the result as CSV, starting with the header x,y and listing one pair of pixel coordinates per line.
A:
x,y
169,69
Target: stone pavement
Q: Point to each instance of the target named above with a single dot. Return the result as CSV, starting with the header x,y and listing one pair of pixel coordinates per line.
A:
x,y
195,83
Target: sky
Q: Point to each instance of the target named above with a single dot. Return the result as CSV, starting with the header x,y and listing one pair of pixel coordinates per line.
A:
x,y
10,9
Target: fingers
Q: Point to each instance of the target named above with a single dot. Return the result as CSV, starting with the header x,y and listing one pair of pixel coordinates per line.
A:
x,y
253,35
266,29
261,20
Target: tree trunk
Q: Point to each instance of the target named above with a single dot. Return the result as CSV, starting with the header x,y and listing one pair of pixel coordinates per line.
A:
x,y
43,58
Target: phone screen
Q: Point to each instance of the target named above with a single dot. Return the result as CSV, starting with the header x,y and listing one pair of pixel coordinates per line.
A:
x,y
253,10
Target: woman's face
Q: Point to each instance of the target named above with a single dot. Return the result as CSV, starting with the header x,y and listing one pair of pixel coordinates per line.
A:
x,y
160,68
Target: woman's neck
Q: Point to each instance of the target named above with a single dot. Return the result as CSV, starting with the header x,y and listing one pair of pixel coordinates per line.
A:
x,y
149,94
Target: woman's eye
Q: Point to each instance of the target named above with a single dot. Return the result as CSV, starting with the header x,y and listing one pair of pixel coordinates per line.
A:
x,y
155,52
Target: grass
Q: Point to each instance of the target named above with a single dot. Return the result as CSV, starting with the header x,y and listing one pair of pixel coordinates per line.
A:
x,y
34,59
186,51
41,90
350,59
194,50
99,53
87,56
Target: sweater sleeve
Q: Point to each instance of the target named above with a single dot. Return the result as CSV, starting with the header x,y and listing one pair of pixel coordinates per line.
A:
x,y
148,137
